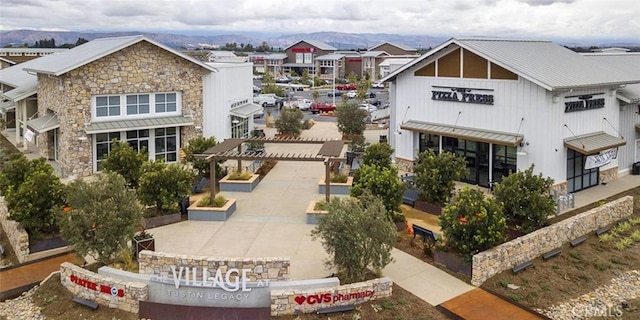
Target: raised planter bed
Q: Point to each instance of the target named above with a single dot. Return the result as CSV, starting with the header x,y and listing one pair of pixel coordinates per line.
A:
x,y
239,185
313,216
428,207
212,213
453,262
161,220
335,187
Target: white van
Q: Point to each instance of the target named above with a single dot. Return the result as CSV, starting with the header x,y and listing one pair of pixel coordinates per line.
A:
x,y
265,100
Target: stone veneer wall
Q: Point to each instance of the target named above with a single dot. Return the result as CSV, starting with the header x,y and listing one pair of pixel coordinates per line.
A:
x,y
133,292
16,234
286,302
158,263
609,175
507,255
404,164
139,68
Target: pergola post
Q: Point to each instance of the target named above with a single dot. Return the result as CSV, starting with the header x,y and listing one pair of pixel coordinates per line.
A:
x,y
327,179
212,181
239,160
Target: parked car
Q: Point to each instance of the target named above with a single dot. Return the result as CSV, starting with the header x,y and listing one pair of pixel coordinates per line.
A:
x,y
378,85
268,100
318,107
284,80
300,103
259,114
352,94
368,107
334,93
370,94
345,87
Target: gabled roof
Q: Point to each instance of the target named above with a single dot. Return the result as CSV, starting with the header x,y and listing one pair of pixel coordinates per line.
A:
x,y
374,53
63,62
544,63
24,84
331,57
624,61
276,56
7,61
318,44
397,45
389,61
221,53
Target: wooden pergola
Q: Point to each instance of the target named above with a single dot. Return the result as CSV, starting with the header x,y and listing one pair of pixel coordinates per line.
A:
x,y
231,149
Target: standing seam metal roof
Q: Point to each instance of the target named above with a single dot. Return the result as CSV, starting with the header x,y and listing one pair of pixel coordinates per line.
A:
x,y
318,44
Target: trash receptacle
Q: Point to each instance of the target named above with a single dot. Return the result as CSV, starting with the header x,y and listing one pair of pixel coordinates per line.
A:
x,y
636,169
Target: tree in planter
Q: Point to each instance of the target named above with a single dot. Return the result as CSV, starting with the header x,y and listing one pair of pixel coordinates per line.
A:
x,y
198,145
163,185
350,119
290,122
435,175
33,196
383,183
473,222
357,234
526,199
101,217
378,154
126,161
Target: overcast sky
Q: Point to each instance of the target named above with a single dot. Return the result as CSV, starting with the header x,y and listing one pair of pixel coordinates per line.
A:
x,y
548,19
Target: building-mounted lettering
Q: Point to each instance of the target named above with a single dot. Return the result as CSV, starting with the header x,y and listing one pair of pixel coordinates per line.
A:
x,y
239,103
465,95
303,49
583,102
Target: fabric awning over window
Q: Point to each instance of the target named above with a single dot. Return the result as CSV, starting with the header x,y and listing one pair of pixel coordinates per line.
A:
x,y
593,142
246,110
480,135
138,124
45,123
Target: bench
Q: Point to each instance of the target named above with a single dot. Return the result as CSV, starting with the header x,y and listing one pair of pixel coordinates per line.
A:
x,y
551,254
335,309
602,230
522,266
87,303
199,188
410,196
578,241
425,233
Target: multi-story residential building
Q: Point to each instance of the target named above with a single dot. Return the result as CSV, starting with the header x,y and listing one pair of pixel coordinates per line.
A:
x,y
19,55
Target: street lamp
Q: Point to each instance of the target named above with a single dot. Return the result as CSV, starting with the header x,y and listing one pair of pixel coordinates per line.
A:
x,y
333,93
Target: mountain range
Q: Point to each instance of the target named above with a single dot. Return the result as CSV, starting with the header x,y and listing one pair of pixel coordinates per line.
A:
x,y
340,40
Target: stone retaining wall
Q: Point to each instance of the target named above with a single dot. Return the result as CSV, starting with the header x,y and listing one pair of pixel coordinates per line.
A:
x,y
507,255
160,264
16,234
292,301
106,291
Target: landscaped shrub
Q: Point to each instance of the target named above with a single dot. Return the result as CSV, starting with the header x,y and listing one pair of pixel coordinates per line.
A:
x,y
526,199
435,175
33,194
384,183
290,122
164,185
339,177
350,119
126,161
199,145
217,202
473,222
244,175
378,154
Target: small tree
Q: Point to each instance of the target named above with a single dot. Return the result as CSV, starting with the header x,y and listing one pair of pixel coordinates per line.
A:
x,y
290,122
33,201
101,218
358,235
126,161
384,183
315,95
526,199
199,145
435,175
350,119
378,154
14,171
473,223
163,185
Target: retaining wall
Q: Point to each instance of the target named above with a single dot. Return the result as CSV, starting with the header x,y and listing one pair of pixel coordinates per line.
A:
x,y
293,301
160,264
507,255
106,291
16,234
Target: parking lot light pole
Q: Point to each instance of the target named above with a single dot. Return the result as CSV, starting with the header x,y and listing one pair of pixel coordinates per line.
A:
x,y
334,83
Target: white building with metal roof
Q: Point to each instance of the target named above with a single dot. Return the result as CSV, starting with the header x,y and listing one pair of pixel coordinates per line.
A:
x,y
505,105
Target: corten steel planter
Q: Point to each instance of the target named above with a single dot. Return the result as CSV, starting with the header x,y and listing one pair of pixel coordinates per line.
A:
x,y
239,185
212,213
452,261
161,220
428,207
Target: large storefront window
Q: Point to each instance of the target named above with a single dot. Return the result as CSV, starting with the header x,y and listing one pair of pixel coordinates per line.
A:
x,y
577,177
504,161
429,141
166,144
477,156
104,143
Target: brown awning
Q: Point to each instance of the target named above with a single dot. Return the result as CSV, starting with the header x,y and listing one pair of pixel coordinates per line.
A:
x,y
593,142
480,135
224,146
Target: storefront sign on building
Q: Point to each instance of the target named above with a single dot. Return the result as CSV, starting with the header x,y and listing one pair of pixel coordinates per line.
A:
x,y
466,95
584,102
602,159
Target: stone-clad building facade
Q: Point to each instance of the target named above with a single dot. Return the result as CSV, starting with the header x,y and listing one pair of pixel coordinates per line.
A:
x,y
138,91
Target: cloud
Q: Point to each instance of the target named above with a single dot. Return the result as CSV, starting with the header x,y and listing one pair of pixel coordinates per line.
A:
x,y
546,2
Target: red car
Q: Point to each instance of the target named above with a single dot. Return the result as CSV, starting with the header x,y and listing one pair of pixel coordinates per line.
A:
x,y
321,107
347,87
